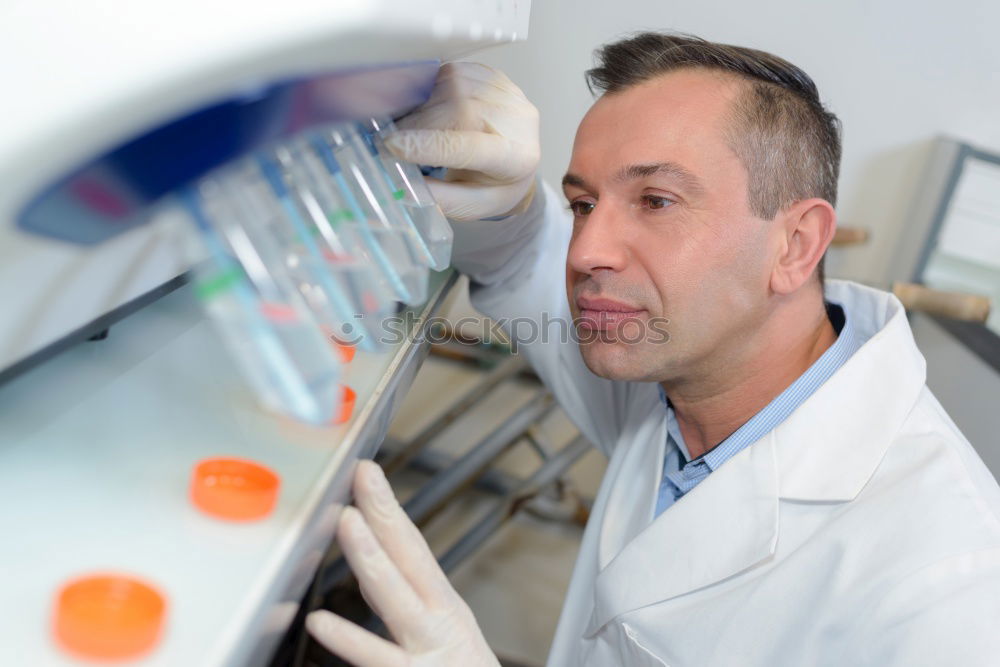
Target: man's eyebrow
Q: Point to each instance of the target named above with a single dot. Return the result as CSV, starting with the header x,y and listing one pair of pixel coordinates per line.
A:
x,y
573,180
636,171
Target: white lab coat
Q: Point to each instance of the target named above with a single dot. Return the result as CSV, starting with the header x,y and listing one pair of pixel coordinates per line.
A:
x,y
864,530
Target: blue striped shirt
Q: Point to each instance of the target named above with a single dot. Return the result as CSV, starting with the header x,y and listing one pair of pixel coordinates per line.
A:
x,y
680,474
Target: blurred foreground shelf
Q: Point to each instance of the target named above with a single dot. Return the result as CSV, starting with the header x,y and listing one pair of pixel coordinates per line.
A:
x,y
96,451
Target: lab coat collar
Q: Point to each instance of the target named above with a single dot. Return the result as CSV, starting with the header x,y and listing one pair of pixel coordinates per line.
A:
x,y
828,449
825,451
723,526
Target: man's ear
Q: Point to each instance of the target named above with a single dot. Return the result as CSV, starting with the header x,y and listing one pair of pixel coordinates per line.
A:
x,y
808,227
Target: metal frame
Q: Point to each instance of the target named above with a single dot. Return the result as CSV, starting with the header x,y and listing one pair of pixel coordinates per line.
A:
x,y
965,151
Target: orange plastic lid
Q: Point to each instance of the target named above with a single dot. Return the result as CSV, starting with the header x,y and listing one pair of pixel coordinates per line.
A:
x,y
346,406
345,351
108,617
234,489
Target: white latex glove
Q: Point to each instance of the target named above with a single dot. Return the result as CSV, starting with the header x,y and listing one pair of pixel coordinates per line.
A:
x,y
401,579
480,126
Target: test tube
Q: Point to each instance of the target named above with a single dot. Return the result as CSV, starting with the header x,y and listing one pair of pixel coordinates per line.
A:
x,y
341,244
243,212
267,327
388,196
330,274
410,189
364,189
353,217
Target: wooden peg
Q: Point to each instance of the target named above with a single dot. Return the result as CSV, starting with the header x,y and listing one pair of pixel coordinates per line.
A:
x,y
849,236
956,305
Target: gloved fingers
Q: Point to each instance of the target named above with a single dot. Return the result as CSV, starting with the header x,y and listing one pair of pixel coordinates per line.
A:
x,y
463,202
491,154
468,70
442,114
352,643
479,125
507,116
400,538
469,77
402,610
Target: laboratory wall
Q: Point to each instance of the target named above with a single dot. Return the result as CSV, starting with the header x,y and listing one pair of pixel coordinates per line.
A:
x,y
897,73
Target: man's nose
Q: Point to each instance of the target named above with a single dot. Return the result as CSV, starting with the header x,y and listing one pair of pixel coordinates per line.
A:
x,y
599,241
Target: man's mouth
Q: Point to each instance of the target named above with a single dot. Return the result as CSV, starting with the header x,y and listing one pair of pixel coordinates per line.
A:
x,y
605,314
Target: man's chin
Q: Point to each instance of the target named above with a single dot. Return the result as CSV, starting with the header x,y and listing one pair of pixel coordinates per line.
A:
x,y
616,361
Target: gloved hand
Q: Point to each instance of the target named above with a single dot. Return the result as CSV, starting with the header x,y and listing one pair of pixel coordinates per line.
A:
x,y
401,579
480,126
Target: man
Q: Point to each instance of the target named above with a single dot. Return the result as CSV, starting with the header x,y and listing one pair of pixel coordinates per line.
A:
x,y
782,488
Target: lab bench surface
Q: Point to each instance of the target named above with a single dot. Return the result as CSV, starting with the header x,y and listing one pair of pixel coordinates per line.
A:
x,y
97,446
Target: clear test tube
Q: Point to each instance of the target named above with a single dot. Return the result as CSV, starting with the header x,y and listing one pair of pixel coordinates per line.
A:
x,y
340,243
392,261
351,233
254,216
365,189
301,235
281,351
410,189
388,196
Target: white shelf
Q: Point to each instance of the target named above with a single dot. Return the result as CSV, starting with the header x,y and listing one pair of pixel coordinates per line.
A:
x,y
96,448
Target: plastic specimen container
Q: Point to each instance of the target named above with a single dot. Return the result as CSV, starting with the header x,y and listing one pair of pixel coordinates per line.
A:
x,y
411,191
255,208
386,192
345,351
234,489
346,406
266,325
108,617
374,211
339,241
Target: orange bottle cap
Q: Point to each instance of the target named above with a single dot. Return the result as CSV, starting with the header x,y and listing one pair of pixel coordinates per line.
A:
x,y
234,489
346,406
345,351
108,617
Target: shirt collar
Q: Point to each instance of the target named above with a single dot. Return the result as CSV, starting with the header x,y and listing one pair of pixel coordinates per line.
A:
x,y
775,412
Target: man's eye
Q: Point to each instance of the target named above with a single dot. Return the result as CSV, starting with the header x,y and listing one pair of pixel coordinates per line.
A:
x,y
581,208
655,203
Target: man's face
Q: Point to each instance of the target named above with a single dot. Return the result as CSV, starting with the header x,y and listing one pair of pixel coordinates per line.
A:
x,y
665,250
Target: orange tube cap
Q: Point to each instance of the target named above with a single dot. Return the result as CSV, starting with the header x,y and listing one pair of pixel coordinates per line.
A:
x,y
345,351
234,489
346,406
108,617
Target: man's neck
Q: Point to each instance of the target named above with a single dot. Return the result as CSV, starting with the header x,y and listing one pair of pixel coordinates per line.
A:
x,y
710,409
